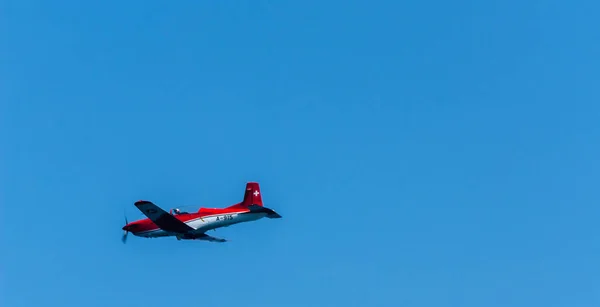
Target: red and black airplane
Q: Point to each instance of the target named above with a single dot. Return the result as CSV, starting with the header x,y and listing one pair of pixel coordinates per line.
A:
x,y
193,226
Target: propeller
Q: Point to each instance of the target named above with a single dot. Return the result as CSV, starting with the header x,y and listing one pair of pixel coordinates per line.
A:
x,y
125,232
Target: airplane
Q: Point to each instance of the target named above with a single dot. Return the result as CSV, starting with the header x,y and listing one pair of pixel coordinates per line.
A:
x,y
193,226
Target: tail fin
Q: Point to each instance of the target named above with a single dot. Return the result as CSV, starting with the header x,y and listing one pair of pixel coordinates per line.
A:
x,y
252,195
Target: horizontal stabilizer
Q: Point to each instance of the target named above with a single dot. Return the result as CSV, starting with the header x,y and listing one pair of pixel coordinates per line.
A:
x,y
270,212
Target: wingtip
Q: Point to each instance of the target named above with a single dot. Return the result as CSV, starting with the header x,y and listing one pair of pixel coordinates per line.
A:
x,y
142,202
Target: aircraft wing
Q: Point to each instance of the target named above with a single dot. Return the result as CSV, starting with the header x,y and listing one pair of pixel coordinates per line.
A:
x,y
162,219
208,238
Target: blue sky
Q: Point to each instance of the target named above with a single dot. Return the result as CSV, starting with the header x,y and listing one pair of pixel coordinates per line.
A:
x,y
424,153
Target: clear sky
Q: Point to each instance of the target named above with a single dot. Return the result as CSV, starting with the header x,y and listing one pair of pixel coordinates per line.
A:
x,y
422,153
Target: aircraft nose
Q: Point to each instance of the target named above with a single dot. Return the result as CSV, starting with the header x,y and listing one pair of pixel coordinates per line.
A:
x,y
131,227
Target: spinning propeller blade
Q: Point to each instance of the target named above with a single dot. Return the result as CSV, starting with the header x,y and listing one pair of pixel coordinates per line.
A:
x,y
125,233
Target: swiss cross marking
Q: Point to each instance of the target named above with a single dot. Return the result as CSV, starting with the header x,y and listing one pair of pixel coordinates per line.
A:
x,y
256,193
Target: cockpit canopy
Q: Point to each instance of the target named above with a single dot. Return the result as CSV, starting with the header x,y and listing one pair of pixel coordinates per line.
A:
x,y
177,211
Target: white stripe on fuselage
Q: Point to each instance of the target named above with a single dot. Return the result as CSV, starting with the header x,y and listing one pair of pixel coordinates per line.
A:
x,y
206,223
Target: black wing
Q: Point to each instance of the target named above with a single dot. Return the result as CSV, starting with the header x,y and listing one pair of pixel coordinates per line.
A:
x,y
162,219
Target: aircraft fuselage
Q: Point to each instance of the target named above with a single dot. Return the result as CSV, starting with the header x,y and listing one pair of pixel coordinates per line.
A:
x,y
200,223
